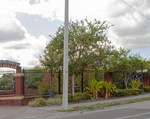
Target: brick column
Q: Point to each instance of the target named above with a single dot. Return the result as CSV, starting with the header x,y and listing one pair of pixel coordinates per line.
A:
x,y
146,80
19,84
108,76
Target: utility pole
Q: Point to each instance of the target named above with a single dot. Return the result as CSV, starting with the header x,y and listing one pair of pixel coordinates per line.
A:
x,y
65,62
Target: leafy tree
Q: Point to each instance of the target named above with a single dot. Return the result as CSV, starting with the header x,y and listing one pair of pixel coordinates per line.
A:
x,y
33,80
88,48
128,64
7,80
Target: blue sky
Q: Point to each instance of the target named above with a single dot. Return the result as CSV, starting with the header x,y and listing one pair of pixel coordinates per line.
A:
x,y
26,25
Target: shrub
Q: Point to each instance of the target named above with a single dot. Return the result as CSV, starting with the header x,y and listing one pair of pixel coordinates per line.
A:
x,y
85,96
54,101
79,96
127,92
44,89
41,102
58,96
94,86
147,89
119,93
38,102
135,84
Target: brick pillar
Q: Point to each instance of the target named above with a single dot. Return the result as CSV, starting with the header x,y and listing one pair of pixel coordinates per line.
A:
x,y
108,76
19,84
146,80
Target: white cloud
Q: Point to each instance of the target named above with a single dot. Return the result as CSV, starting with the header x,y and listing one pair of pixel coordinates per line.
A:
x,y
130,28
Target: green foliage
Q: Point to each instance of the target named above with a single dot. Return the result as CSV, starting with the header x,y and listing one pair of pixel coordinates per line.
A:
x,y
44,89
85,96
89,47
147,89
127,92
135,84
79,96
104,88
41,102
9,86
128,64
33,80
108,88
94,86
55,101
57,96
7,80
38,102
4,81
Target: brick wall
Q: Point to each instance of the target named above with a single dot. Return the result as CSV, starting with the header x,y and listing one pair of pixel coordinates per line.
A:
x,y
26,100
13,102
146,80
108,76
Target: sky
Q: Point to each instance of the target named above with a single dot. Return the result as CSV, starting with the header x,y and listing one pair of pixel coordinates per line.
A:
x,y
25,25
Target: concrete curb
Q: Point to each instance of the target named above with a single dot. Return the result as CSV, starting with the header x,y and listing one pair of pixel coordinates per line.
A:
x,y
73,113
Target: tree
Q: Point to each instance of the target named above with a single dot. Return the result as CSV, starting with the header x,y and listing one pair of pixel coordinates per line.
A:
x,y
7,80
33,80
128,64
88,48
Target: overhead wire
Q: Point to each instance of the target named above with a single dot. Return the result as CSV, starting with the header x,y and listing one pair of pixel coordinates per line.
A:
x,y
135,10
141,15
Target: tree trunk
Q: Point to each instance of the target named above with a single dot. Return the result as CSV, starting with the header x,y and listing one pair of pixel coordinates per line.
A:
x,y
126,84
73,84
106,96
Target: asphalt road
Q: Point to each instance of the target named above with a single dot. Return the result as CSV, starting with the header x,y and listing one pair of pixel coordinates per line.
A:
x,y
139,110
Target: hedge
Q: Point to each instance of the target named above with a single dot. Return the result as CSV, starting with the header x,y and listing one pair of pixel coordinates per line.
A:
x,y
127,92
147,89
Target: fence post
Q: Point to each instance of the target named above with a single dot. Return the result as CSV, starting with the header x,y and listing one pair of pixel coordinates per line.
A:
x,y
142,81
59,82
123,84
82,82
23,81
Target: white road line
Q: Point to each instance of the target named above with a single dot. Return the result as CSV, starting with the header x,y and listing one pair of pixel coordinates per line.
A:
x,y
133,115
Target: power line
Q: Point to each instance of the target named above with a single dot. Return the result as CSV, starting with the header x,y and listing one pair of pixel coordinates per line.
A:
x,y
136,10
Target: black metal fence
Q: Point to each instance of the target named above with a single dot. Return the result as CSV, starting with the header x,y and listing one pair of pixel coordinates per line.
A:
x,y
32,80
39,82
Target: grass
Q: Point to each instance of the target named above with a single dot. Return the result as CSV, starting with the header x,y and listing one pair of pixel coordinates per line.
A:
x,y
99,105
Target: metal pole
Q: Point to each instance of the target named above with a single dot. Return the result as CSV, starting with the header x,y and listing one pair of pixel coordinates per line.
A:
x,y
51,92
142,81
65,65
82,82
59,82
23,81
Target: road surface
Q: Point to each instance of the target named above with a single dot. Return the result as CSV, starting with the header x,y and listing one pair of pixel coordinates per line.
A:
x,y
139,110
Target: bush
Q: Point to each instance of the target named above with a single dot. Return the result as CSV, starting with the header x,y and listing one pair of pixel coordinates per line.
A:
x,y
38,102
41,102
79,96
119,93
58,96
127,92
135,84
85,96
44,89
54,101
147,89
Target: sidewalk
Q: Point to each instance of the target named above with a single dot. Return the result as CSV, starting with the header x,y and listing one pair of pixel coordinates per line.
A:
x,y
25,112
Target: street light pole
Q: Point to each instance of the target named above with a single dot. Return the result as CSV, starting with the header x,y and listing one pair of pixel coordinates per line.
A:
x,y
65,62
